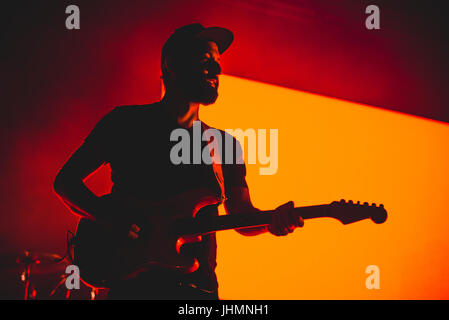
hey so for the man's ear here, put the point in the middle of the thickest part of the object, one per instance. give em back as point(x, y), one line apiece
point(173, 64)
point(176, 64)
point(167, 66)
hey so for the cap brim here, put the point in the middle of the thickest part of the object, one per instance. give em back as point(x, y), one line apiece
point(221, 36)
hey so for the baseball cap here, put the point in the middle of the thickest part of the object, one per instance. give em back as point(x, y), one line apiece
point(183, 37)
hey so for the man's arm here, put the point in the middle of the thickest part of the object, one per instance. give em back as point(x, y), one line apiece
point(69, 185)
point(284, 220)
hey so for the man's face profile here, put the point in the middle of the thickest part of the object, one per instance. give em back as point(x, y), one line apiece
point(198, 78)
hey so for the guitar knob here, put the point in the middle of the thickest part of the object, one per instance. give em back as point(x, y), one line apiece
point(350, 202)
point(381, 206)
point(373, 205)
point(366, 204)
point(342, 201)
point(358, 202)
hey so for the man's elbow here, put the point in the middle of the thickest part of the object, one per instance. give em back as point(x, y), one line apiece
point(59, 184)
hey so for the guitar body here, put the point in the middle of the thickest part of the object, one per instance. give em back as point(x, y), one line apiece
point(103, 256)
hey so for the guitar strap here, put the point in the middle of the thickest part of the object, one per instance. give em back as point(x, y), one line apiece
point(214, 151)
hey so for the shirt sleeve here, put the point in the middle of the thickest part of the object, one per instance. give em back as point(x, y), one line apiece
point(234, 174)
point(100, 139)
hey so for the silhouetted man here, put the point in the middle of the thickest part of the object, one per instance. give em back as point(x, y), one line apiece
point(135, 141)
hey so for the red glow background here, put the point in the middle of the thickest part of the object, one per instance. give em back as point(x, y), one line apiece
point(57, 83)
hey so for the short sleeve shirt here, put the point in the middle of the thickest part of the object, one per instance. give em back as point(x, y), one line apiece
point(135, 142)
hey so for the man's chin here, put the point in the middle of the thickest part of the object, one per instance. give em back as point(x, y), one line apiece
point(206, 99)
point(200, 94)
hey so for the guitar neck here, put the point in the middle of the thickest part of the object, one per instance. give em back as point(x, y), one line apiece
point(255, 219)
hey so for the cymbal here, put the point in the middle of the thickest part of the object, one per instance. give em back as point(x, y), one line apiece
point(41, 262)
point(38, 257)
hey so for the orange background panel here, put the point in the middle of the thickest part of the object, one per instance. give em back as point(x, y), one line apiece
point(331, 149)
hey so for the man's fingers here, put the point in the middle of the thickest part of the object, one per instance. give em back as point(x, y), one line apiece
point(276, 226)
point(287, 223)
point(133, 232)
point(288, 217)
point(132, 235)
point(285, 220)
point(283, 225)
point(300, 222)
point(280, 231)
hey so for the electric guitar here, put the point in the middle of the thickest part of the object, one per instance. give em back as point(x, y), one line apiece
point(103, 256)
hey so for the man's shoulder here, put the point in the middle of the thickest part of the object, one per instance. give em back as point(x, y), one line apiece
point(129, 115)
point(136, 110)
point(224, 134)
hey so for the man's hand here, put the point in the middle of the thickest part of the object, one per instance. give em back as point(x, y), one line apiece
point(285, 220)
point(133, 232)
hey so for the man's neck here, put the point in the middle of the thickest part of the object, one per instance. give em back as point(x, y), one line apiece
point(182, 111)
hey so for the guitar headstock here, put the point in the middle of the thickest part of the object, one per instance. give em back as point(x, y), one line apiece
point(349, 212)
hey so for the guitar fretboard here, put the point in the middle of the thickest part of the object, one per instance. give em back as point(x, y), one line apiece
point(207, 225)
